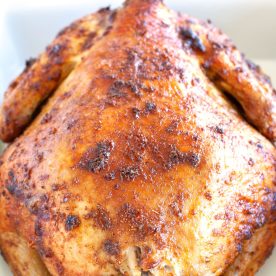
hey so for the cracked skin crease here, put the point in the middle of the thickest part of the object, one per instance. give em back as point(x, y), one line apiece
point(127, 157)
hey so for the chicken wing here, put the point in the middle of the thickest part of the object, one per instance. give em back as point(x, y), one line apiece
point(43, 75)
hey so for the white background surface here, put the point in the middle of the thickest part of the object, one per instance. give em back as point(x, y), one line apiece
point(26, 27)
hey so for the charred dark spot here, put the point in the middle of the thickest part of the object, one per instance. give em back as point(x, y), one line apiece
point(195, 81)
point(52, 131)
point(116, 90)
point(59, 267)
point(46, 118)
point(38, 229)
point(100, 218)
point(89, 41)
point(150, 107)
point(193, 159)
point(261, 220)
point(245, 232)
point(177, 157)
point(55, 50)
point(72, 222)
point(65, 95)
point(206, 65)
point(208, 196)
point(273, 207)
point(149, 89)
point(110, 176)
point(173, 126)
point(26, 172)
point(39, 156)
point(12, 185)
point(66, 197)
point(195, 137)
point(192, 39)
point(57, 187)
point(11, 188)
point(37, 204)
point(111, 247)
point(134, 88)
point(239, 69)
point(133, 58)
point(120, 88)
point(96, 159)
point(136, 112)
point(239, 247)
point(107, 30)
point(198, 45)
point(259, 146)
point(140, 141)
point(44, 215)
point(127, 211)
point(129, 173)
point(255, 214)
point(117, 186)
point(251, 162)
point(217, 46)
point(43, 251)
point(71, 123)
point(165, 66)
point(12, 180)
point(55, 55)
point(29, 62)
point(219, 130)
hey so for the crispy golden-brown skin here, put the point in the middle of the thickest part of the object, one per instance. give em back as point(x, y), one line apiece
point(138, 163)
point(42, 76)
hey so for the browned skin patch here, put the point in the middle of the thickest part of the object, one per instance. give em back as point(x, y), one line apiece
point(232, 72)
point(192, 39)
point(96, 159)
point(100, 217)
point(138, 148)
point(43, 75)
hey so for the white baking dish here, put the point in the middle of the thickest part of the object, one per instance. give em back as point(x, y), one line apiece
point(27, 26)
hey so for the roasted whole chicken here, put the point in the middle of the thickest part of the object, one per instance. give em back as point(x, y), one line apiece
point(141, 143)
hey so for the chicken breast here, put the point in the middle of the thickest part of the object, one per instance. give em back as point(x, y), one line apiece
point(128, 157)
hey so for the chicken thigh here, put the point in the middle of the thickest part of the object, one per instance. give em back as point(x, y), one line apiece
point(141, 143)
